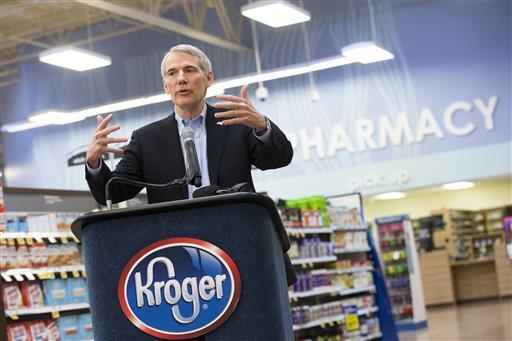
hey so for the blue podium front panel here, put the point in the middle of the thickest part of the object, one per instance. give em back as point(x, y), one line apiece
point(244, 231)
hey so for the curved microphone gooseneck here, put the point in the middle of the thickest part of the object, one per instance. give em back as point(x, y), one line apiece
point(108, 196)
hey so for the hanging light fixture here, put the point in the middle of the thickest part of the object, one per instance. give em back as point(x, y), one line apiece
point(275, 13)
point(74, 58)
point(366, 52)
point(56, 117)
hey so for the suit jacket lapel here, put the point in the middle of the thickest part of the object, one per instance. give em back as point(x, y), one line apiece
point(172, 148)
point(215, 138)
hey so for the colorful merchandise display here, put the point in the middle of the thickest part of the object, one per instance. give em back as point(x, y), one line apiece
point(43, 275)
point(334, 297)
point(400, 263)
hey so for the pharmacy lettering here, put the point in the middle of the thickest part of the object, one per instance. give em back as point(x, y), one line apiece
point(179, 288)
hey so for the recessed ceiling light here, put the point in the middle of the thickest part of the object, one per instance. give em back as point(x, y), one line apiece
point(390, 196)
point(366, 52)
point(56, 117)
point(458, 185)
point(275, 13)
point(73, 58)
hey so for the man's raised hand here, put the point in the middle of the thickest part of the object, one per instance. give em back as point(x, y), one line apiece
point(100, 141)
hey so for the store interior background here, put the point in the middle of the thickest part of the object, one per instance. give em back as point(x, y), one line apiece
point(445, 53)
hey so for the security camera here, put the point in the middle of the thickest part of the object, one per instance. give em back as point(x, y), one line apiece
point(261, 93)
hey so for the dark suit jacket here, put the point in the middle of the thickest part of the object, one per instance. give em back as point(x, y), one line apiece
point(154, 155)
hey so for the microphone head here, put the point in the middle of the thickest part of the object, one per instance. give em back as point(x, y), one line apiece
point(187, 134)
point(205, 191)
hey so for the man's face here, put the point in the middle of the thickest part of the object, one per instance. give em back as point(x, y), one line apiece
point(184, 79)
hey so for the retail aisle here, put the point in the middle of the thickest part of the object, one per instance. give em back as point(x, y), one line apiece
point(484, 321)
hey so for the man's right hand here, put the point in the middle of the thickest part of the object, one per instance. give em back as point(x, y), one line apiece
point(100, 142)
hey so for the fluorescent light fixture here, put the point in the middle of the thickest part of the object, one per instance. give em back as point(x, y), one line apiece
point(366, 52)
point(216, 89)
point(21, 126)
point(390, 196)
point(73, 58)
point(56, 117)
point(275, 13)
point(458, 185)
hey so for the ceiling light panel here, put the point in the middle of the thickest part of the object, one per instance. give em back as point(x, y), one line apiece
point(74, 58)
point(56, 117)
point(366, 52)
point(458, 185)
point(275, 13)
point(390, 196)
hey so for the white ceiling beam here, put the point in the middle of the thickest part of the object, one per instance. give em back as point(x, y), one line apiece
point(167, 24)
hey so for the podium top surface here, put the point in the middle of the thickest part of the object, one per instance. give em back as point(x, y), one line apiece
point(179, 205)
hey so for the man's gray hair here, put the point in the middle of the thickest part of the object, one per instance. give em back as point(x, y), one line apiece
point(204, 62)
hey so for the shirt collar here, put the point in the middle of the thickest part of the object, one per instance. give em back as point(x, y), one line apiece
point(200, 118)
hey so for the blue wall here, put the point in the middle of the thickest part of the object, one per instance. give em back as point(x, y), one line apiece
point(445, 53)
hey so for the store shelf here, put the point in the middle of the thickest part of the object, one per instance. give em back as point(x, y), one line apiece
point(350, 228)
point(306, 261)
point(340, 251)
point(328, 290)
point(45, 310)
point(342, 271)
point(32, 273)
point(333, 319)
point(365, 338)
point(35, 235)
point(308, 230)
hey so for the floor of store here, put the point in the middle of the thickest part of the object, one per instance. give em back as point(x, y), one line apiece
point(483, 320)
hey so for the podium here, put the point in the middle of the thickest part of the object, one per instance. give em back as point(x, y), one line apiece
point(247, 229)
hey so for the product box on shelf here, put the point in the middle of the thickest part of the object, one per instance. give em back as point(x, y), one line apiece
point(17, 332)
point(85, 326)
point(55, 292)
point(11, 295)
point(52, 330)
point(37, 330)
point(76, 290)
point(69, 328)
point(32, 294)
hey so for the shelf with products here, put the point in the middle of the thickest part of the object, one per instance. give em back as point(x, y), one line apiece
point(331, 289)
point(301, 231)
point(338, 235)
point(74, 324)
point(41, 274)
point(470, 235)
point(39, 221)
point(22, 274)
point(313, 260)
point(401, 267)
point(47, 310)
point(332, 319)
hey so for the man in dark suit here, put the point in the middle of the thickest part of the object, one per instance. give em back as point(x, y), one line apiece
point(230, 137)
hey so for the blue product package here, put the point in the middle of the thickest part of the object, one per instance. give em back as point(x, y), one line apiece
point(85, 325)
point(69, 328)
point(12, 224)
point(55, 292)
point(22, 224)
point(76, 290)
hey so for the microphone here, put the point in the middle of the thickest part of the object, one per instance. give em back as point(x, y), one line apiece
point(205, 191)
point(211, 190)
point(190, 153)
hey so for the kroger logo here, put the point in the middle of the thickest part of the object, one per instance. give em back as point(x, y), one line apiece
point(179, 288)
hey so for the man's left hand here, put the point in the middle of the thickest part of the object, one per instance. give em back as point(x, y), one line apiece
point(240, 111)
